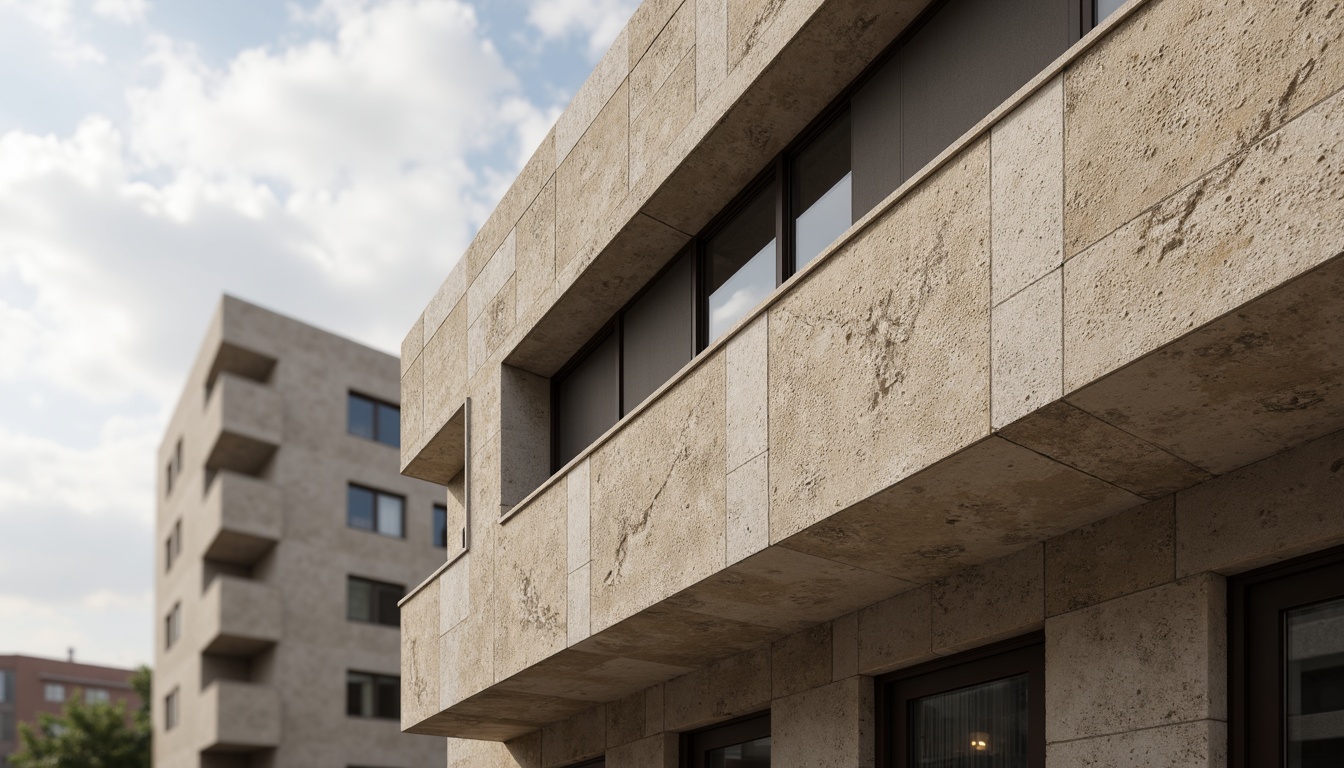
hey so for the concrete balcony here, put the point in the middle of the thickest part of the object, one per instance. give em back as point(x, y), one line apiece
point(239, 717)
point(241, 518)
point(244, 422)
point(239, 617)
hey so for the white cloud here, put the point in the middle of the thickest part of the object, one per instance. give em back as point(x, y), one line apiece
point(54, 19)
point(121, 11)
point(597, 22)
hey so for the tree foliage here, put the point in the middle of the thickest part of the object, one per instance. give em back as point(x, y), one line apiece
point(89, 735)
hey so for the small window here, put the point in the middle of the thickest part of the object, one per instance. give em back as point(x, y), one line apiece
point(440, 526)
point(985, 707)
point(742, 743)
point(587, 399)
point(1286, 644)
point(172, 626)
point(170, 713)
point(6, 686)
point(373, 601)
point(53, 692)
point(173, 546)
point(96, 696)
point(740, 263)
point(173, 470)
point(373, 420)
point(820, 196)
point(6, 727)
point(376, 511)
point(372, 695)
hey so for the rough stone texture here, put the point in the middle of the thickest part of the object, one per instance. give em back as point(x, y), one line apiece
point(825, 727)
point(1266, 215)
point(653, 710)
point(1079, 439)
point(420, 656)
point(1157, 657)
point(801, 661)
point(748, 522)
point(466, 658)
point(896, 632)
point(1201, 744)
point(676, 637)
point(738, 685)
point(412, 344)
point(455, 594)
point(990, 602)
point(1027, 150)
point(492, 279)
point(575, 738)
point(647, 23)
point(413, 402)
point(583, 678)
point(1110, 558)
point(661, 486)
point(1286, 505)
point(711, 46)
point(518, 198)
point(625, 719)
point(983, 503)
point(748, 393)
point(445, 299)
point(658, 751)
point(592, 98)
point(524, 433)
point(845, 646)
point(594, 176)
point(523, 752)
point(577, 489)
point(748, 21)
point(445, 359)
point(1186, 108)
point(491, 329)
point(1028, 350)
point(579, 602)
point(874, 377)
point(666, 114)
point(530, 599)
point(535, 250)
point(667, 53)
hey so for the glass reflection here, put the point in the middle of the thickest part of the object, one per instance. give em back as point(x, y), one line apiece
point(1104, 8)
point(741, 262)
point(821, 192)
point(983, 726)
point(1315, 692)
point(752, 754)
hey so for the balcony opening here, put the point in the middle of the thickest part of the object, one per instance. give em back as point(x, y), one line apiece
point(239, 361)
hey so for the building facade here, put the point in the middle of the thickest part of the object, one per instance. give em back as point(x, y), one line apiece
point(30, 686)
point(285, 538)
point(846, 383)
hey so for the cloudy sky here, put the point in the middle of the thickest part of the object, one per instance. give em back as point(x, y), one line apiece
point(329, 159)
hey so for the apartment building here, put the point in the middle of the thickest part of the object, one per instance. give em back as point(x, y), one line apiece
point(911, 383)
point(31, 685)
point(285, 538)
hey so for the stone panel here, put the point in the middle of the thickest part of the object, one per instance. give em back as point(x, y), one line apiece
point(738, 685)
point(531, 585)
point(653, 710)
point(491, 328)
point(492, 279)
point(826, 727)
point(625, 719)
point(801, 661)
point(1287, 505)
point(518, 198)
point(845, 646)
point(580, 676)
point(535, 250)
point(666, 115)
point(1028, 350)
point(1123, 554)
point(579, 601)
point(445, 361)
point(658, 751)
point(420, 656)
point(748, 523)
point(1267, 215)
point(413, 403)
point(466, 659)
point(748, 393)
point(1201, 744)
point(646, 23)
point(896, 632)
point(412, 344)
point(658, 496)
point(711, 46)
point(879, 361)
point(748, 21)
point(523, 752)
point(677, 637)
point(667, 53)
point(445, 299)
point(1149, 659)
point(577, 490)
point(593, 178)
point(575, 738)
point(1028, 192)
point(1186, 108)
point(592, 98)
point(989, 602)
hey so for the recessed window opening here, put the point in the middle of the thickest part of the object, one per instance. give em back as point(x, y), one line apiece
point(440, 526)
point(820, 198)
point(369, 694)
point(742, 743)
point(172, 626)
point(740, 262)
point(170, 710)
point(373, 601)
point(373, 419)
point(53, 692)
point(376, 511)
point(172, 547)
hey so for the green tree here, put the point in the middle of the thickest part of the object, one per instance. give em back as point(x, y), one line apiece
point(89, 735)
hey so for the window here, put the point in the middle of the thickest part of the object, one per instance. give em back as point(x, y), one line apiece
point(983, 708)
point(96, 696)
point(174, 468)
point(1103, 8)
point(170, 713)
point(377, 511)
point(1286, 645)
point(172, 626)
point(373, 601)
point(53, 692)
point(373, 420)
point(372, 695)
point(6, 726)
point(819, 195)
point(741, 743)
point(6, 686)
point(440, 526)
point(173, 546)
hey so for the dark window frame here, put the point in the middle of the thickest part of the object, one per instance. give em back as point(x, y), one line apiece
point(375, 679)
point(172, 626)
point(998, 661)
point(439, 510)
point(377, 405)
point(376, 493)
point(375, 586)
point(1255, 733)
point(171, 709)
point(740, 730)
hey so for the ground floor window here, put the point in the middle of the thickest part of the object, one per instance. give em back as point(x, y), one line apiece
point(743, 743)
point(1286, 647)
point(983, 709)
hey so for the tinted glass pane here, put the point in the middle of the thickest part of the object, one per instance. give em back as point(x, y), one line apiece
point(1314, 725)
point(6, 726)
point(360, 416)
point(1104, 8)
point(821, 192)
point(359, 695)
point(983, 726)
point(359, 508)
point(6, 686)
point(588, 400)
point(741, 263)
point(658, 332)
point(359, 597)
point(389, 698)
point(390, 510)
point(440, 526)
point(389, 425)
point(386, 597)
point(753, 754)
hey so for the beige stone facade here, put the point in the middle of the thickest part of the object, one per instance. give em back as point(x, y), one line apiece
point(256, 523)
point(1069, 378)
